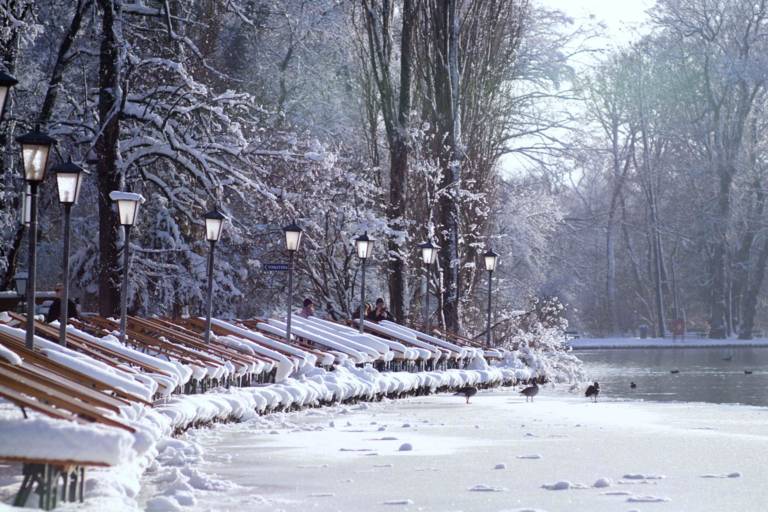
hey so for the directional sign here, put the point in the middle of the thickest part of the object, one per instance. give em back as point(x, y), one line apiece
point(276, 267)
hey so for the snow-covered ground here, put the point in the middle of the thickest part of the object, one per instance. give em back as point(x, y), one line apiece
point(690, 342)
point(559, 453)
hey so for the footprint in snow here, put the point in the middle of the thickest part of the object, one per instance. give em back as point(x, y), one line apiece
point(617, 493)
point(405, 447)
point(641, 476)
point(647, 499)
point(486, 488)
point(383, 465)
point(398, 502)
point(322, 495)
point(500, 466)
point(735, 474)
point(355, 449)
point(563, 485)
point(531, 456)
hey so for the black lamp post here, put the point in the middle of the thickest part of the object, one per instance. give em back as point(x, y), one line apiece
point(35, 149)
point(363, 247)
point(214, 226)
point(293, 234)
point(428, 256)
point(491, 259)
point(6, 82)
point(68, 180)
point(127, 209)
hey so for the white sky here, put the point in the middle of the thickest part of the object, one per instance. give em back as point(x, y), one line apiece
point(622, 18)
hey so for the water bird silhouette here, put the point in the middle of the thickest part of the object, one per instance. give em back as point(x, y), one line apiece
point(531, 391)
point(592, 391)
point(467, 391)
point(632, 385)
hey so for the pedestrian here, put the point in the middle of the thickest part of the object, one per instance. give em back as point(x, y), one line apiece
point(333, 315)
point(54, 312)
point(380, 312)
point(309, 308)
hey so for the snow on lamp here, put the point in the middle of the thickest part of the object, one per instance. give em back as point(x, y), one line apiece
point(127, 206)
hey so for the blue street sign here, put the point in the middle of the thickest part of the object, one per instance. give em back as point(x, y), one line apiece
point(276, 267)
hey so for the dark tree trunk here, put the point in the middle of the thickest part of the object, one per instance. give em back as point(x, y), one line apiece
point(749, 304)
point(395, 112)
point(107, 173)
point(61, 63)
point(718, 291)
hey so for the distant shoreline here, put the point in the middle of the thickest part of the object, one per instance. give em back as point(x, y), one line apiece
point(604, 343)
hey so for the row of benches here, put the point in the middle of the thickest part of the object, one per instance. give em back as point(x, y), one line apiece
point(96, 377)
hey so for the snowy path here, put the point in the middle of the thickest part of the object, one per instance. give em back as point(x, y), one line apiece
point(609, 456)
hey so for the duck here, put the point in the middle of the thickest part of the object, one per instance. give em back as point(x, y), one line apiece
point(747, 372)
point(592, 391)
point(467, 391)
point(531, 391)
point(632, 385)
point(674, 371)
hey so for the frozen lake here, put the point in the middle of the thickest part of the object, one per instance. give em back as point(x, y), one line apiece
point(651, 455)
point(715, 375)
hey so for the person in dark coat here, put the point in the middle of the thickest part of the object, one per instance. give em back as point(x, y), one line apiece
point(380, 312)
point(332, 313)
point(309, 308)
point(54, 312)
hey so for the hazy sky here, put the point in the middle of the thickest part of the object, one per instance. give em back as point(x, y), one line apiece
point(623, 18)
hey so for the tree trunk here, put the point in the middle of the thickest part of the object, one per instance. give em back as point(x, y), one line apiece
point(107, 150)
point(449, 203)
point(718, 290)
point(399, 170)
point(749, 308)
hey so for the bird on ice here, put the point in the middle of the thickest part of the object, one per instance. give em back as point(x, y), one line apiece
point(632, 385)
point(531, 391)
point(592, 391)
point(467, 391)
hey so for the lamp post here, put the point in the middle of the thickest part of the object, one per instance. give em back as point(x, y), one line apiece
point(363, 247)
point(293, 235)
point(214, 226)
point(68, 180)
point(35, 149)
point(127, 210)
point(6, 82)
point(491, 259)
point(428, 256)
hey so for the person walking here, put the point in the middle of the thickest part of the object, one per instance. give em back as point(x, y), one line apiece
point(308, 310)
point(380, 312)
point(54, 312)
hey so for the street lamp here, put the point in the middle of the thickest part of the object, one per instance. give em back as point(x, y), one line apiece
point(35, 149)
point(127, 210)
point(363, 247)
point(6, 82)
point(68, 180)
point(214, 226)
point(428, 256)
point(491, 259)
point(293, 234)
